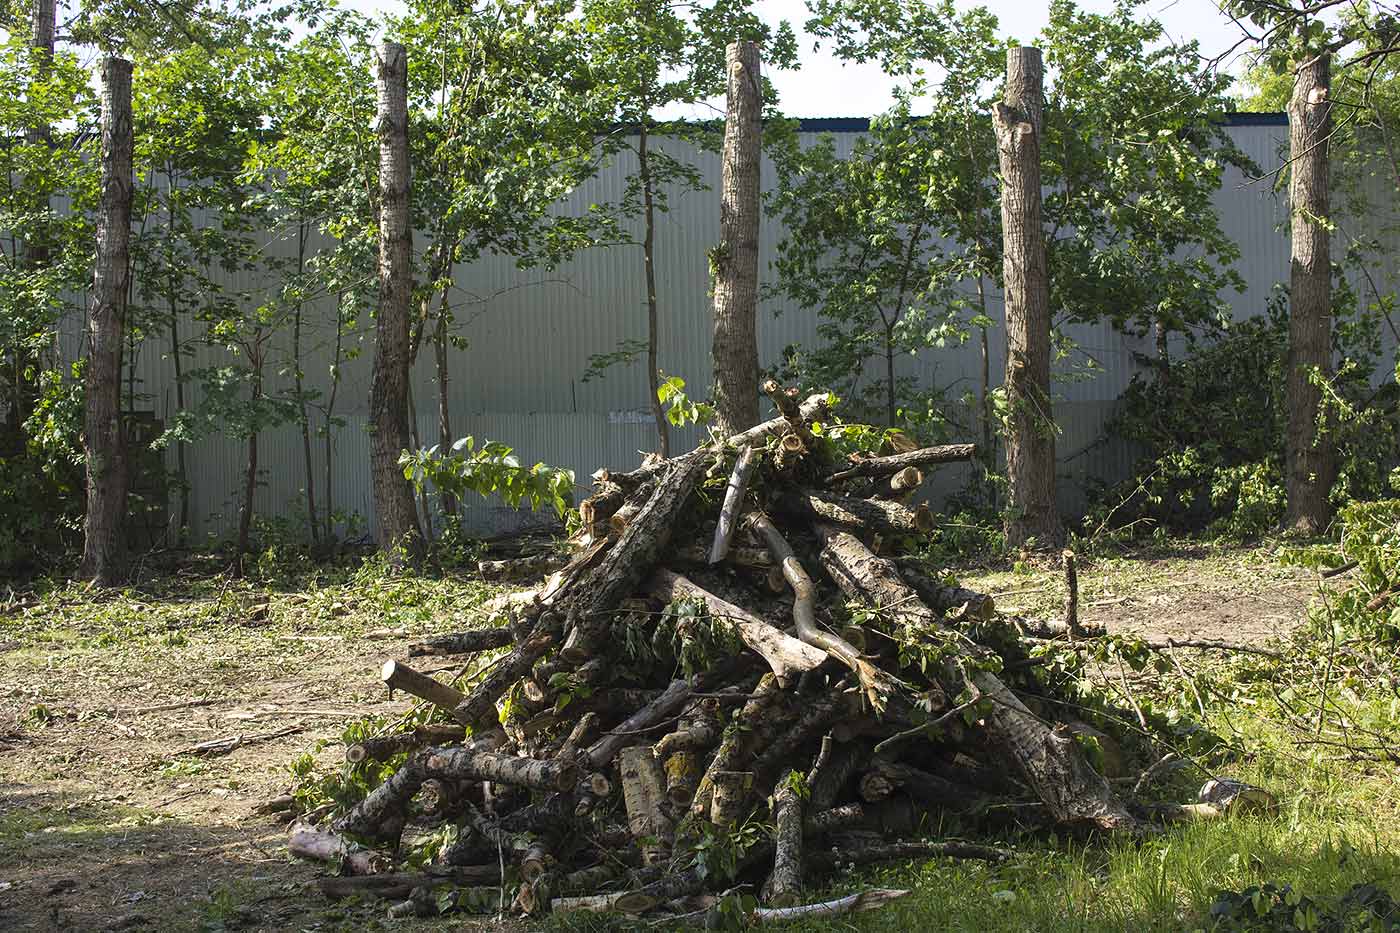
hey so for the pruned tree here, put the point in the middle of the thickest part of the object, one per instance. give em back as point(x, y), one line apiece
point(734, 261)
point(396, 515)
point(1132, 153)
point(652, 55)
point(104, 441)
point(1311, 455)
point(1030, 441)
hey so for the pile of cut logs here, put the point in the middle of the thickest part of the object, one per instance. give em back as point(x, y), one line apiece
point(734, 681)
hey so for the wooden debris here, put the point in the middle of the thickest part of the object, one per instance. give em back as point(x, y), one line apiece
point(788, 676)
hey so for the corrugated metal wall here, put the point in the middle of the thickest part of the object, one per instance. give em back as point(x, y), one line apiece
point(530, 335)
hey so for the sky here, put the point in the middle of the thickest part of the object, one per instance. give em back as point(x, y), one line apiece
point(826, 87)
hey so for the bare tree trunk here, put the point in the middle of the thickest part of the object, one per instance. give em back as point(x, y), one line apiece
point(663, 433)
point(984, 395)
point(447, 501)
point(735, 260)
point(1311, 456)
point(1030, 444)
point(330, 414)
point(250, 474)
point(395, 512)
point(890, 400)
point(172, 298)
point(104, 442)
point(300, 379)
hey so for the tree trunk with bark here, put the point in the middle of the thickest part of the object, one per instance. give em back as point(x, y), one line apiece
point(250, 473)
point(299, 379)
point(663, 431)
point(1030, 442)
point(104, 441)
point(735, 259)
point(396, 513)
point(1311, 460)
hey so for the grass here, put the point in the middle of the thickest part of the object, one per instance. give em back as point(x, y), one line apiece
point(80, 795)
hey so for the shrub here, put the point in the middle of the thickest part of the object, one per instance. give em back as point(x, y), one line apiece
point(1213, 429)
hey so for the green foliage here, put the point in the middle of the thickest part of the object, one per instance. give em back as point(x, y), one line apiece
point(1365, 614)
point(718, 851)
point(682, 411)
point(492, 470)
point(1274, 908)
point(699, 640)
point(1212, 427)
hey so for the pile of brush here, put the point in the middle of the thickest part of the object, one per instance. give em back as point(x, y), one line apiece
point(731, 682)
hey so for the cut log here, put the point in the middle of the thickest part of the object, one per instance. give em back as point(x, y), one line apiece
point(1049, 759)
point(398, 885)
point(643, 794)
point(877, 515)
point(622, 568)
point(384, 747)
point(399, 676)
point(479, 640)
point(623, 517)
point(924, 456)
point(757, 708)
point(730, 796)
point(942, 598)
point(521, 569)
point(310, 843)
point(682, 775)
point(733, 504)
point(478, 708)
point(884, 777)
point(437, 797)
point(739, 556)
point(815, 408)
point(786, 656)
point(633, 730)
point(898, 487)
point(785, 400)
point(466, 763)
point(784, 885)
point(627, 902)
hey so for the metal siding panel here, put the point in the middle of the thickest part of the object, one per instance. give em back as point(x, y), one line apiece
point(530, 334)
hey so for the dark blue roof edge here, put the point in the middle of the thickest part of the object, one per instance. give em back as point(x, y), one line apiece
point(861, 124)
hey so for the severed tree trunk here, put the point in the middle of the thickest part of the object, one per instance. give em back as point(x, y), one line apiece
point(1030, 442)
point(1311, 466)
point(735, 260)
point(895, 463)
point(784, 885)
point(1049, 759)
point(872, 514)
point(616, 576)
point(104, 442)
point(395, 511)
